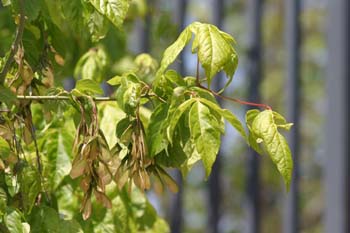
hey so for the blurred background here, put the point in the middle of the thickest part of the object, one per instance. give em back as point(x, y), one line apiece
point(294, 56)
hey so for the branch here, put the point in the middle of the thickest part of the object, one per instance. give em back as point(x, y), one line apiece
point(15, 44)
point(54, 97)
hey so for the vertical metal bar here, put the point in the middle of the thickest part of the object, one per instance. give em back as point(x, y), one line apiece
point(144, 29)
point(214, 182)
point(180, 18)
point(176, 208)
point(292, 35)
point(337, 128)
point(254, 72)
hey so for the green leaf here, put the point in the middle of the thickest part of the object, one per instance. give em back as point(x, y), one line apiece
point(253, 140)
point(128, 94)
point(145, 64)
point(7, 96)
point(4, 148)
point(32, 9)
point(110, 115)
point(69, 226)
point(13, 221)
point(281, 121)
point(88, 86)
point(114, 10)
point(156, 130)
point(30, 187)
point(174, 50)
point(3, 202)
point(215, 50)
point(265, 128)
point(173, 157)
point(98, 26)
point(176, 116)
point(6, 2)
point(174, 77)
point(59, 153)
point(46, 220)
point(92, 65)
point(232, 119)
point(115, 81)
point(204, 131)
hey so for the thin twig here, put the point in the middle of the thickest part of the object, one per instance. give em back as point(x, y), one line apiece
point(15, 44)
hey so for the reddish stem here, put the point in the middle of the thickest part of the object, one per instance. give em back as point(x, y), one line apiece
point(237, 100)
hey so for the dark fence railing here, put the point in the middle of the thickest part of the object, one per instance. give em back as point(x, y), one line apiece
point(337, 167)
point(176, 208)
point(215, 180)
point(254, 69)
point(293, 43)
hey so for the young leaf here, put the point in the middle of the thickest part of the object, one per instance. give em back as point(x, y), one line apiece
point(114, 10)
point(206, 136)
point(215, 51)
point(265, 128)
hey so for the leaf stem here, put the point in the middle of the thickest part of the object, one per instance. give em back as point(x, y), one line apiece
point(15, 44)
point(197, 73)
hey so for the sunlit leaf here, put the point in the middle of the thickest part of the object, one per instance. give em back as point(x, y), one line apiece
point(214, 49)
point(206, 137)
point(13, 221)
point(265, 127)
point(114, 10)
